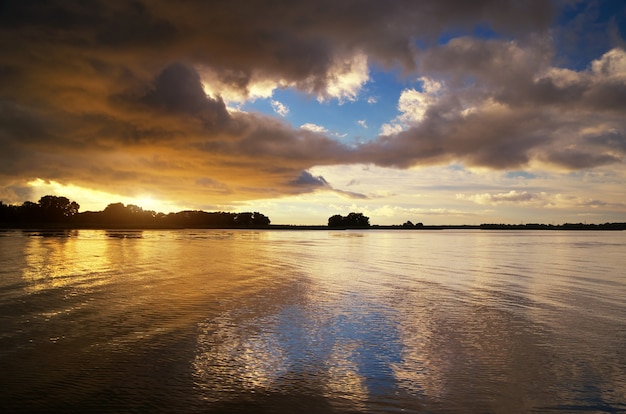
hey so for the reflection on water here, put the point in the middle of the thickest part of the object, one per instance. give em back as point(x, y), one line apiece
point(343, 321)
point(125, 234)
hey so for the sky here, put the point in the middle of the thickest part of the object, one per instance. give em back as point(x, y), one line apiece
point(439, 112)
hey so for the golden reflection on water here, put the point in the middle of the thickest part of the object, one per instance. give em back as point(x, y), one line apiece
point(367, 321)
point(58, 260)
point(62, 259)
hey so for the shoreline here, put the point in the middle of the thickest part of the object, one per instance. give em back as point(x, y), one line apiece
point(530, 227)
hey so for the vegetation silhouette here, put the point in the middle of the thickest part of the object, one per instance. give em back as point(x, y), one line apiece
point(54, 211)
point(57, 212)
point(409, 224)
point(49, 209)
point(352, 220)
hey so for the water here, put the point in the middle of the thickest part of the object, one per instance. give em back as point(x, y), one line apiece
point(312, 321)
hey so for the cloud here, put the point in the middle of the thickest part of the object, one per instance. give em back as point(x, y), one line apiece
point(351, 194)
point(413, 105)
point(279, 108)
point(307, 179)
point(512, 197)
point(345, 79)
point(402, 213)
point(164, 137)
point(504, 106)
point(393, 128)
point(131, 97)
point(15, 194)
point(322, 48)
point(541, 200)
point(362, 123)
point(178, 89)
point(314, 128)
point(319, 129)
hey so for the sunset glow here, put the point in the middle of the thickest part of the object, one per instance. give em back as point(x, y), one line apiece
point(434, 112)
point(93, 200)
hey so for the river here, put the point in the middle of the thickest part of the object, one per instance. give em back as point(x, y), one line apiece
point(376, 321)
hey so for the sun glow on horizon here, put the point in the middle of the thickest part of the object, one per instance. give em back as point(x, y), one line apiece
point(148, 203)
point(96, 200)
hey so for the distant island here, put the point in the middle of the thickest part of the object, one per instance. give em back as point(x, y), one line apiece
point(61, 213)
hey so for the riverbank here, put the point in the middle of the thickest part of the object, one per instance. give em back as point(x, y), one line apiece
point(143, 226)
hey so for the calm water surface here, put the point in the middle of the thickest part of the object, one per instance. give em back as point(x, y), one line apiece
point(312, 321)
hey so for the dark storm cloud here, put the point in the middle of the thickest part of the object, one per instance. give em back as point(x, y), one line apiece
point(479, 140)
point(613, 140)
point(573, 159)
point(109, 95)
point(295, 41)
point(503, 105)
point(178, 88)
point(307, 179)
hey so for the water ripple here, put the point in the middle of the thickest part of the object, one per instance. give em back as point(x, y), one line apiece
point(255, 321)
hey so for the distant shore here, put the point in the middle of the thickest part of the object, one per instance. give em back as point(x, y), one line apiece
point(60, 213)
point(143, 226)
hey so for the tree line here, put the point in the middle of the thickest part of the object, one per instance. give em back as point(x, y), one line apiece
point(60, 211)
point(55, 211)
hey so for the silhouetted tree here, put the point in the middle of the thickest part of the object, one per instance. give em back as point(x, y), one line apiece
point(130, 215)
point(259, 219)
point(357, 220)
point(53, 208)
point(251, 219)
point(243, 219)
point(335, 221)
point(115, 212)
point(29, 211)
point(8, 213)
point(351, 220)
